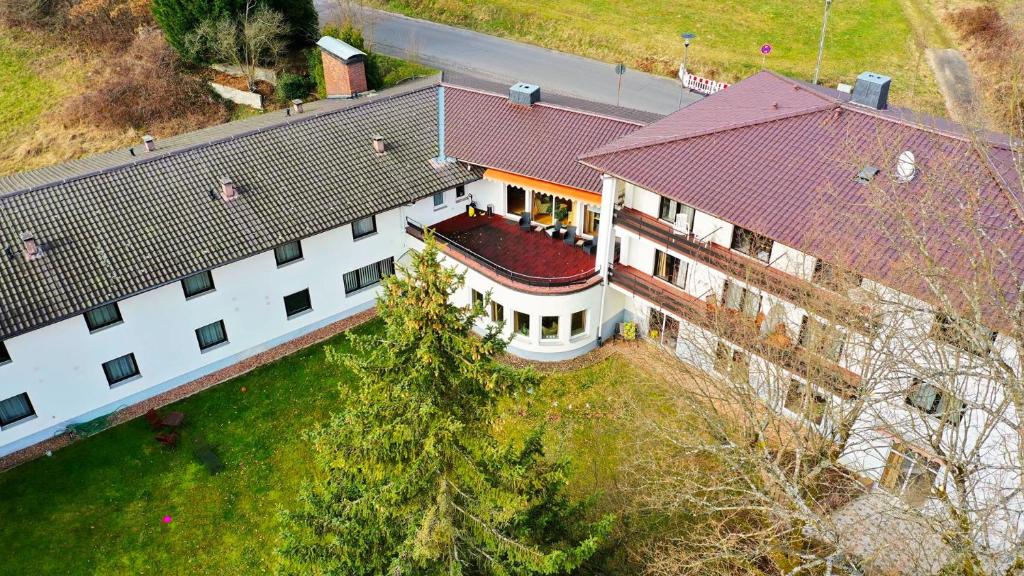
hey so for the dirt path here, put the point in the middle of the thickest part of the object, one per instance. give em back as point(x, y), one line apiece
point(955, 82)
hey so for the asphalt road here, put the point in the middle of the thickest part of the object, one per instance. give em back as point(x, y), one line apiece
point(458, 50)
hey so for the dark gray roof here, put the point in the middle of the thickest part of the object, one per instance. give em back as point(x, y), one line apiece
point(112, 229)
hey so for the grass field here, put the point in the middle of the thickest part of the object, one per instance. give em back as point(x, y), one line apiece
point(886, 36)
point(96, 507)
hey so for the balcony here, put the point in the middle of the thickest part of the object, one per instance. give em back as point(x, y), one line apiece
point(824, 303)
point(527, 260)
point(738, 329)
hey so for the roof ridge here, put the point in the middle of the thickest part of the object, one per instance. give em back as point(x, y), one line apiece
point(400, 91)
point(926, 127)
point(725, 128)
point(545, 104)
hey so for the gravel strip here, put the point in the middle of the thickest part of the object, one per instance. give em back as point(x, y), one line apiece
point(200, 384)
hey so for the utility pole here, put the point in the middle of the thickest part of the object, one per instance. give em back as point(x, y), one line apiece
point(821, 41)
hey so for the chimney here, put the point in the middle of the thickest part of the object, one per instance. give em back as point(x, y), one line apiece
point(378, 144)
point(32, 248)
point(227, 189)
point(344, 68)
point(149, 143)
point(524, 94)
point(297, 106)
point(872, 91)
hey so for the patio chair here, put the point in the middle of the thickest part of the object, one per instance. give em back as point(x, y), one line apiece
point(524, 221)
point(589, 247)
point(570, 236)
point(169, 440)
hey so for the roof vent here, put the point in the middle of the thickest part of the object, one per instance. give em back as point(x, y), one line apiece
point(149, 143)
point(378, 144)
point(524, 94)
point(33, 249)
point(906, 166)
point(867, 174)
point(297, 106)
point(228, 191)
point(872, 90)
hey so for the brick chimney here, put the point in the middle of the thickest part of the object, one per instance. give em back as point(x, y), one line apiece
point(344, 68)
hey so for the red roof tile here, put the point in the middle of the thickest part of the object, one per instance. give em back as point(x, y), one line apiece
point(540, 141)
point(789, 173)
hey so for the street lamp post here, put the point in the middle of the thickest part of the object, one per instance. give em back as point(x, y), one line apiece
point(687, 39)
point(821, 41)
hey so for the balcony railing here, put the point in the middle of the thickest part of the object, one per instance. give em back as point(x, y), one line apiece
point(739, 329)
point(453, 247)
point(822, 302)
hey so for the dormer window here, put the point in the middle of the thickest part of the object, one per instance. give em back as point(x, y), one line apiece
point(965, 334)
point(752, 244)
point(834, 277)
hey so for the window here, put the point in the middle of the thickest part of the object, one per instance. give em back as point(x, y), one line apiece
point(834, 278)
point(578, 323)
point(476, 298)
point(733, 364)
point(497, 312)
point(103, 316)
point(821, 339)
point(460, 192)
point(286, 253)
point(369, 275)
point(670, 211)
point(364, 227)
point(5, 356)
point(522, 323)
point(549, 327)
point(211, 335)
point(736, 297)
point(802, 399)
point(669, 268)
point(591, 219)
point(439, 199)
point(197, 284)
point(964, 334)
point(909, 474)
point(121, 369)
point(752, 244)
point(15, 409)
point(935, 401)
point(515, 200)
point(297, 303)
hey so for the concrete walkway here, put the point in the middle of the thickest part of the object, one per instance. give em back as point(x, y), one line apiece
point(458, 50)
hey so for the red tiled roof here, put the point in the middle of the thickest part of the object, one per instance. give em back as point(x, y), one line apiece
point(782, 162)
point(540, 141)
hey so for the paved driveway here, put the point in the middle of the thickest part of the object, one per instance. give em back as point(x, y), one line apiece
point(458, 50)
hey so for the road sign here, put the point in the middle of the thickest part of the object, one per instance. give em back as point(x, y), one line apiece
point(766, 49)
point(620, 69)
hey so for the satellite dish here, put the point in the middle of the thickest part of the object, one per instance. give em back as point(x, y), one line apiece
point(906, 168)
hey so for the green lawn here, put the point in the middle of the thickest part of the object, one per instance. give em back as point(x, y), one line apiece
point(886, 36)
point(96, 507)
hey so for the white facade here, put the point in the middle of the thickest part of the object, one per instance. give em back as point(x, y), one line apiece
point(889, 423)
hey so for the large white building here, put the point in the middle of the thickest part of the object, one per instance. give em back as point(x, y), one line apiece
point(131, 273)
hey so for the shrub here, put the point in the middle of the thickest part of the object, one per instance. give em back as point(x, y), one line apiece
point(315, 67)
point(145, 89)
point(629, 331)
point(108, 21)
point(33, 13)
point(292, 86)
point(179, 18)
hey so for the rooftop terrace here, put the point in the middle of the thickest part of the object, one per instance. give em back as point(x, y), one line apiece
point(525, 259)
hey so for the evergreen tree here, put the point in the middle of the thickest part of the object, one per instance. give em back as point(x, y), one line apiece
point(178, 18)
point(412, 480)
